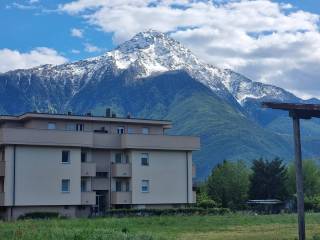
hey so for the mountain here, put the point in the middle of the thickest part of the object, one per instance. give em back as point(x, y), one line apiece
point(154, 76)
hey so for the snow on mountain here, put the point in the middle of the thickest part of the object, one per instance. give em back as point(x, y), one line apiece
point(150, 53)
point(244, 89)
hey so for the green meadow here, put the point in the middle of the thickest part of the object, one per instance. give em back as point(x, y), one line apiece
point(231, 226)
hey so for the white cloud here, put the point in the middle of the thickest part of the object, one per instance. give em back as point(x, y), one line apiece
point(13, 59)
point(75, 51)
point(33, 1)
point(76, 32)
point(91, 48)
point(267, 41)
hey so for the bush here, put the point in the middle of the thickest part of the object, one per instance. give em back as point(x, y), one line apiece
point(166, 212)
point(39, 215)
point(312, 203)
point(208, 203)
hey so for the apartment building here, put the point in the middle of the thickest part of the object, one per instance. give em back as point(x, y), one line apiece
point(83, 165)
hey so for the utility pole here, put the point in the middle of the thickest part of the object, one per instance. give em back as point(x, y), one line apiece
point(299, 176)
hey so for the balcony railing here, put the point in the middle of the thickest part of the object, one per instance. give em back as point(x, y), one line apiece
point(100, 184)
point(44, 137)
point(121, 170)
point(88, 169)
point(121, 198)
point(2, 168)
point(88, 198)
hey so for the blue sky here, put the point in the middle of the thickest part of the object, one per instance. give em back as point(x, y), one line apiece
point(275, 42)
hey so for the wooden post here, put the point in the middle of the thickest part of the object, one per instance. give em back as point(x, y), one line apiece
point(299, 177)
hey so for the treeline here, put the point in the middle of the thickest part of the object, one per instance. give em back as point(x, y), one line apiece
point(232, 183)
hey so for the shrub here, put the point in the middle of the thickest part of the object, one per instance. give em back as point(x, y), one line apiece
point(39, 215)
point(208, 203)
point(312, 203)
point(166, 212)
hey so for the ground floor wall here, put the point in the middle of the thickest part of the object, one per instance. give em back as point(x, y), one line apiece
point(13, 213)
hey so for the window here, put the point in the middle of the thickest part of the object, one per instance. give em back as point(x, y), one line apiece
point(83, 185)
point(65, 156)
point(118, 186)
point(102, 174)
point(118, 157)
point(120, 130)
point(70, 127)
point(79, 127)
point(144, 159)
point(145, 130)
point(127, 187)
point(145, 186)
point(83, 156)
point(65, 185)
point(126, 158)
point(130, 130)
point(51, 126)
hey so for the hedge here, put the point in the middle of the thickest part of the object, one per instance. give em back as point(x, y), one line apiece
point(39, 215)
point(166, 212)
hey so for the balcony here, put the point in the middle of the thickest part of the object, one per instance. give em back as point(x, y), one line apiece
point(2, 168)
point(100, 184)
point(88, 198)
point(1, 198)
point(161, 142)
point(121, 170)
point(88, 169)
point(44, 137)
point(121, 198)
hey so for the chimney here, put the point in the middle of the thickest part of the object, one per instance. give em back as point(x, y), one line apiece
point(108, 112)
point(88, 114)
point(69, 113)
point(129, 115)
point(114, 115)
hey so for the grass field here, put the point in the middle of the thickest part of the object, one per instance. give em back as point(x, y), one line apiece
point(233, 226)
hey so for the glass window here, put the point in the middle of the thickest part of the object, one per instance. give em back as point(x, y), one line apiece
point(120, 130)
point(51, 126)
point(126, 158)
point(145, 130)
point(83, 156)
point(127, 187)
point(118, 157)
point(70, 127)
point(145, 186)
point(118, 186)
point(83, 185)
point(65, 185)
point(144, 159)
point(65, 156)
point(79, 127)
point(102, 174)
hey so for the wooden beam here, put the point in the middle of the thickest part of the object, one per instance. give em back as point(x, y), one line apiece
point(299, 177)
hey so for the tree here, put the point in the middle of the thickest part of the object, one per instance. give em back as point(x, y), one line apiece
point(268, 180)
point(228, 184)
point(311, 178)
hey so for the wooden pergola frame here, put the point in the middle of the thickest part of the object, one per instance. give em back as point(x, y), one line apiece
point(297, 112)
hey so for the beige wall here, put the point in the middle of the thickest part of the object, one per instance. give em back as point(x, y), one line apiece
point(90, 126)
point(102, 159)
point(167, 174)
point(38, 176)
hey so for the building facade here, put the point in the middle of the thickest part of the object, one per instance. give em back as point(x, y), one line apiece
point(83, 165)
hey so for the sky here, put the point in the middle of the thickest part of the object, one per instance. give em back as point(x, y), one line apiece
point(275, 42)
